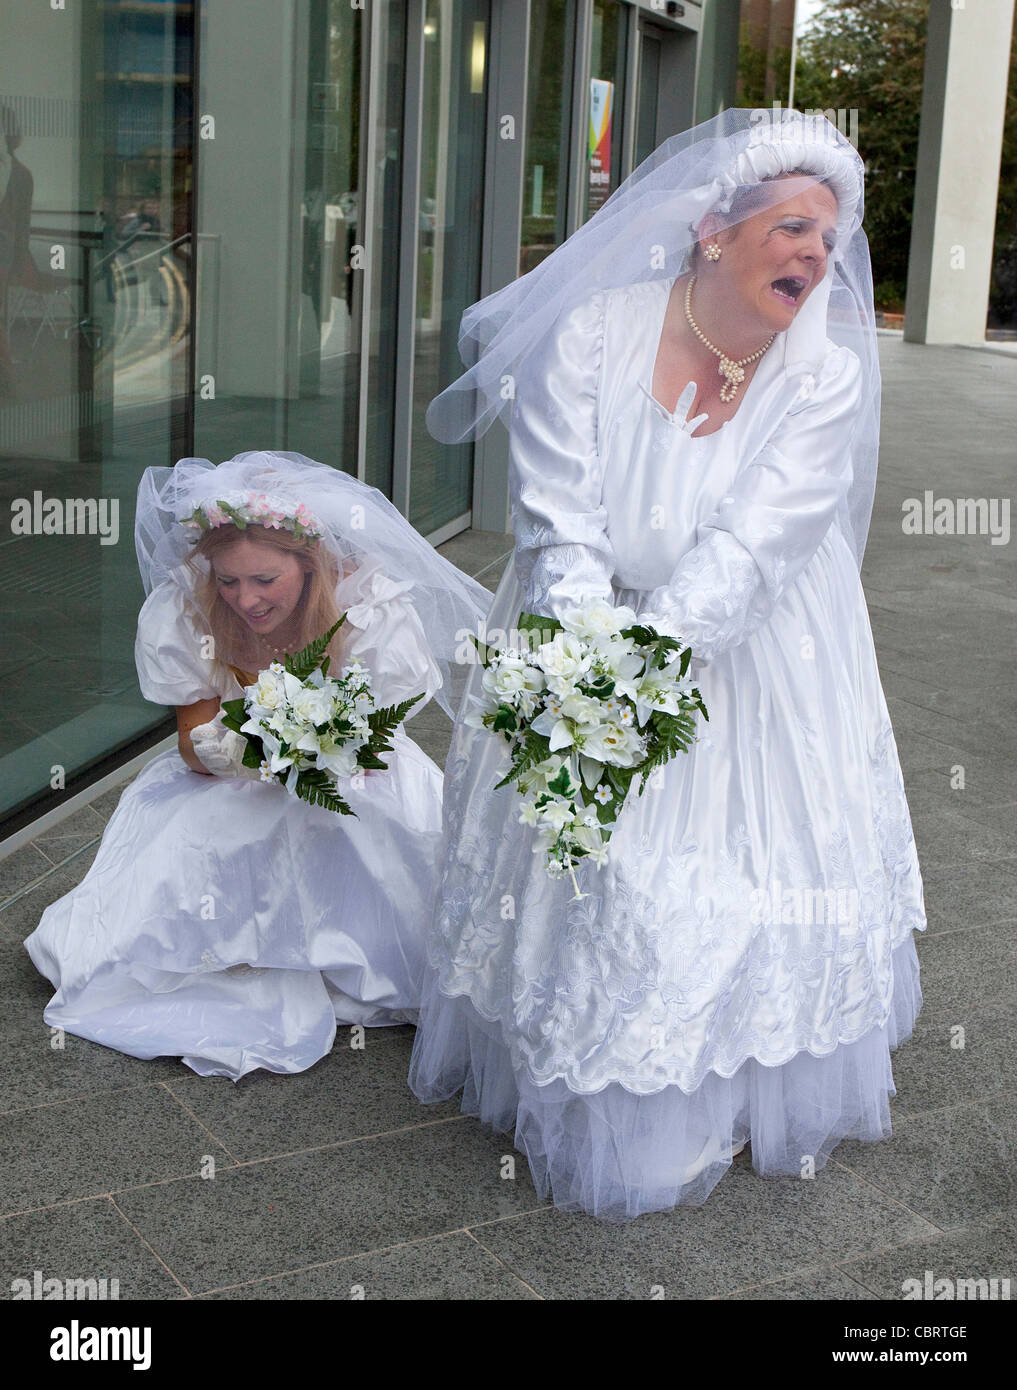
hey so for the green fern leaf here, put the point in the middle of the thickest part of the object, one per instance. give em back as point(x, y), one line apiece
point(310, 657)
point(383, 721)
point(319, 796)
point(534, 750)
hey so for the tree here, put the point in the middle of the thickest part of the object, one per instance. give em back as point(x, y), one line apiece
point(869, 56)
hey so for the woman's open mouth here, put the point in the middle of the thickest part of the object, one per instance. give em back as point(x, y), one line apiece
point(789, 288)
point(259, 617)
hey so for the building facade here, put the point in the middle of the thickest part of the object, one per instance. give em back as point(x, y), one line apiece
point(255, 224)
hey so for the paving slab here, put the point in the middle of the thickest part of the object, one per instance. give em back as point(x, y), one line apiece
point(446, 1268)
point(82, 1241)
point(280, 1216)
point(90, 1146)
point(350, 1094)
point(751, 1230)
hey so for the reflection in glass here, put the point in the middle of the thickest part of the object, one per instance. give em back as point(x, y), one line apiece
point(548, 121)
point(607, 97)
point(649, 91)
point(383, 258)
point(765, 42)
point(95, 294)
point(278, 351)
point(449, 236)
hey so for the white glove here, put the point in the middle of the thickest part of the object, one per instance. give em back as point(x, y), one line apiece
point(667, 628)
point(221, 750)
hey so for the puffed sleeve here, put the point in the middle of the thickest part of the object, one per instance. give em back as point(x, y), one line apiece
point(384, 632)
point(562, 552)
point(168, 650)
point(771, 522)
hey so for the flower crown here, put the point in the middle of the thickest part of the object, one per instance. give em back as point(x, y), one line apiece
point(252, 509)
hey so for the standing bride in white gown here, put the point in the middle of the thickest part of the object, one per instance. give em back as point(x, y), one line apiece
point(694, 434)
point(225, 921)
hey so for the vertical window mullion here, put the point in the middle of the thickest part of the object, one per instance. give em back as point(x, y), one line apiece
point(408, 238)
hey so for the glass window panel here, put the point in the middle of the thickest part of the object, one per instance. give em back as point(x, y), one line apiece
point(449, 239)
point(607, 101)
point(649, 92)
point(548, 125)
point(95, 312)
point(383, 260)
point(765, 40)
point(278, 349)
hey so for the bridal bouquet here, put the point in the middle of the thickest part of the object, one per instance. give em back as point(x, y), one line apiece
point(306, 729)
point(586, 705)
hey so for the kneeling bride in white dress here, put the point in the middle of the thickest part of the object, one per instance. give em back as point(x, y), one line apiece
point(224, 920)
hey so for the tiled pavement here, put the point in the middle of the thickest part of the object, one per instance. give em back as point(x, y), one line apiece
point(337, 1179)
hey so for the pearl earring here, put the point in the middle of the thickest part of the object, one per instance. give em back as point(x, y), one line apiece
point(712, 251)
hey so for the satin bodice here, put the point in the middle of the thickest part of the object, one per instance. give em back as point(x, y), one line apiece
point(661, 479)
point(613, 497)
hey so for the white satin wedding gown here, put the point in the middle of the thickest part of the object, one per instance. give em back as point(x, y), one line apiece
point(745, 962)
point(230, 924)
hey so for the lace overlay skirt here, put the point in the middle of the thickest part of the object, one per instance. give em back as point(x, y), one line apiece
point(741, 967)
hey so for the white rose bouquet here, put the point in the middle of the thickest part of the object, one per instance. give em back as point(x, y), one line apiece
point(306, 729)
point(586, 705)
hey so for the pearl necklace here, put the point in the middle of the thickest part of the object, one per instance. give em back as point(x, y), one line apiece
point(733, 372)
point(277, 652)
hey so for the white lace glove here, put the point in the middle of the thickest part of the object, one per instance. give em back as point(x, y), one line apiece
point(663, 624)
point(221, 750)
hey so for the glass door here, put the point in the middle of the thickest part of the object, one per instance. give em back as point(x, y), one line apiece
point(549, 112)
point(648, 95)
point(608, 58)
point(449, 238)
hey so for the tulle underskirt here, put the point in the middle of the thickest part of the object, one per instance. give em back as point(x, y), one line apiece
point(617, 1155)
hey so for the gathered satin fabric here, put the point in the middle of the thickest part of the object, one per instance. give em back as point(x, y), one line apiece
point(760, 897)
point(229, 923)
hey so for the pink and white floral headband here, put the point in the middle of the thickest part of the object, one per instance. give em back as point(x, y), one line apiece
point(243, 509)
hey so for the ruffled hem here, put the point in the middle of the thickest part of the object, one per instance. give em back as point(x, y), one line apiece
point(616, 1155)
point(219, 1023)
point(314, 919)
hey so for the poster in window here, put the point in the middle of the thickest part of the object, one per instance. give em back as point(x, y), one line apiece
point(601, 111)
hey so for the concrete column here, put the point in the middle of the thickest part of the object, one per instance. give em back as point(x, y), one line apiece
point(967, 62)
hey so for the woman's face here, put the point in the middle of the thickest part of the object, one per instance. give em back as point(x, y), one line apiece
point(773, 260)
point(260, 583)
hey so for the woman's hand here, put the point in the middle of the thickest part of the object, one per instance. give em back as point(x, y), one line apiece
point(206, 740)
point(220, 750)
point(206, 746)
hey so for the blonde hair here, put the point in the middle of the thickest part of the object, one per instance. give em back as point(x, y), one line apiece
point(316, 608)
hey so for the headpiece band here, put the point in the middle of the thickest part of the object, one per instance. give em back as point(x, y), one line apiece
point(252, 509)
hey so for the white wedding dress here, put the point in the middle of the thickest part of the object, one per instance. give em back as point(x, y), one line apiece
point(229, 923)
point(745, 961)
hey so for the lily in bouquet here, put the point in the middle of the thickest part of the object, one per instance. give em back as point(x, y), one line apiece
point(586, 705)
point(307, 729)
